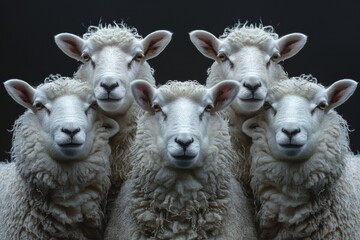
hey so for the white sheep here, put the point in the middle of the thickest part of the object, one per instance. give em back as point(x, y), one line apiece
point(55, 187)
point(304, 176)
point(113, 56)
point(182, 185)
point(249, 54)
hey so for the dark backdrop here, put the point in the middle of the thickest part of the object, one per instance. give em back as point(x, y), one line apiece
point(28, 51)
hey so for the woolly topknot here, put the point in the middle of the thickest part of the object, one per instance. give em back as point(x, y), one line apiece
point(307, 77)
point(56, 85)
point(183, 89)
point(303, 85)
point(111, 34)
point(249, 34)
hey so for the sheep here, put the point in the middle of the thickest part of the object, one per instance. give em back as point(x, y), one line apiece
point(182, 185)
point(249, 54)
point(113, 56)
point(56, 183)
point(303, 174)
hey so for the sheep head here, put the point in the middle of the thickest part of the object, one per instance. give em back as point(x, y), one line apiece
point(112, 57)
point(65, 118)
point(249, 55)
point(182, 117)
point(295, 115)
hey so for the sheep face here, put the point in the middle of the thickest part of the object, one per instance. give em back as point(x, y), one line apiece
point(112, 61)
point(65, 121)
point(249, 56)
point(183, 122)
point(294, 117)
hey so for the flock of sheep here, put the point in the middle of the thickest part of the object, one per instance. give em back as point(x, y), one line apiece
point(110, 154)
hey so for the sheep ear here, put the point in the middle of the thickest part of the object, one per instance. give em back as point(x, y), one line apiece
point(71, 45)
point(339, 92)
point(290, 45)
point(155, 43)
point(223, 94)
point(249, 126)
point(21, 92)
point(111, 125)
point(206, 43)
point(143, 94)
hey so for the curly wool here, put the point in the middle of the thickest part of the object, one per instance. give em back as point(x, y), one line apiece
point(314, 199)
point(304, 85)
point(111, 34)
point(254, 34)
point(46, 199)
point(56, 85)
point(122, 142)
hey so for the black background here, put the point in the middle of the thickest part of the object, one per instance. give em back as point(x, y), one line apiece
point(28, 51)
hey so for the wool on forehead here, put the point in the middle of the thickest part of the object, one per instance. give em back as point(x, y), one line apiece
point(111, 34)
point(56, 85)
point(249, 34)
point(304, 85)
point(189, 88)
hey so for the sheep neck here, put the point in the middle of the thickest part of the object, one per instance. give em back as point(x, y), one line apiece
point(178, 200)
point(121, 143)
point(241, 143)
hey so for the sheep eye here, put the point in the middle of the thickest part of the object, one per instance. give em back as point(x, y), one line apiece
point(222, 56)
point(85, 56)
point(322, 106)
point(275, 57)
point(39, 106)
point(138, 57)
point(208, 108)
point(156, 107)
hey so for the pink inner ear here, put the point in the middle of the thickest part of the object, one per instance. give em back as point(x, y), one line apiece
point(72, 47)
point(225, 90)
point(206, 45)
point(287, 47)
point(144, 95)
point(338, 94)
point(152, 46)
point(22, 93)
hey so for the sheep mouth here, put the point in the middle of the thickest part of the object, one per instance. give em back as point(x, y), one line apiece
point(291, 146)
point(183, 157)
point(183, 161)
point(70, 145)
point(252, 100)
point(110, 99)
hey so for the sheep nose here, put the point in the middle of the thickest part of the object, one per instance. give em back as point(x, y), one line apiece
point(109, 86)
point(290, 132)
point(184, 140)
point(252, 84)
point(70, 132)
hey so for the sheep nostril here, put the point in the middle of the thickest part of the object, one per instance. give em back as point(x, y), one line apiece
point(291, 132)
point(109, 87)
point(184, 143)
point(70, 132)
point(252, 87)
